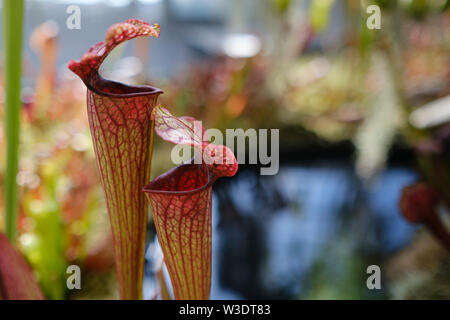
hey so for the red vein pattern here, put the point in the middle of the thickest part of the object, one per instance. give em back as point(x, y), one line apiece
point(122, 143)
point(17, 281)
point(181, 205)
point(181, 201)
point(188, 131)
point(120, 118)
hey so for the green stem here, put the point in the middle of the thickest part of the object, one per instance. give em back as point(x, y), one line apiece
point(12, 47)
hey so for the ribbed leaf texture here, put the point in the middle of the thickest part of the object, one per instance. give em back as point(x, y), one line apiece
point(122, 131)
point(181, 206)
point(17, 281)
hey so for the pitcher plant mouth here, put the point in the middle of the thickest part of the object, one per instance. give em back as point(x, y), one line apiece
point(166, 184)
point(88, 67)
point(115, 89)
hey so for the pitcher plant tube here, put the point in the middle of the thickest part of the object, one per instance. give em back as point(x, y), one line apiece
point(181, 201)
point(122, 131)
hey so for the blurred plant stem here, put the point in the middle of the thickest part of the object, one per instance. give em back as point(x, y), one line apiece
point(12, 44)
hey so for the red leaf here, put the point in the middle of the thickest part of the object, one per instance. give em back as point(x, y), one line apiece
point(17, 281)
point(122, 132)
point(417, 203)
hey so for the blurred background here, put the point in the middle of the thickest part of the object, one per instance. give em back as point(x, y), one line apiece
point(362, 114)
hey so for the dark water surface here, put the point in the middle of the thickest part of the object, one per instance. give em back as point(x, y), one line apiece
point(307, 232)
